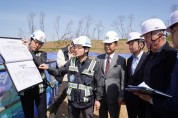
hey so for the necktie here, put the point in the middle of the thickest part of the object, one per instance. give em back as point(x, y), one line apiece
point(107, 64)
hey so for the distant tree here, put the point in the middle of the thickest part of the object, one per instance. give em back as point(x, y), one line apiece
point(21, 33)
point(173, 7)
point(131, 18)
point(56, 27)
point(68, 31)
point(30, 19)
point(79, 28)
point(99, 29)
point(42, 17)
point(89, 21)
point(118, 24)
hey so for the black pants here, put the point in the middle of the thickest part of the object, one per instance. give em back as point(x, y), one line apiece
point(75, 112)
point(134, 106)
point(112, 108)
point(27, 100)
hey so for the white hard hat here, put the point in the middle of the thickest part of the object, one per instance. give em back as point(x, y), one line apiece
point(152, 25)
point(84, 41)
point(133, 36)
point(75, 41)
point(174, 19)
point(39, 36)
point(111, 37)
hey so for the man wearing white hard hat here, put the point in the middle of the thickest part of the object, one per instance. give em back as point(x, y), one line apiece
point(112, 77)
point(134, 65)
point(63, 55)
point(158, 66)
point(173, 28)
point(82, 73)
point(169, 106)
point(37, 93)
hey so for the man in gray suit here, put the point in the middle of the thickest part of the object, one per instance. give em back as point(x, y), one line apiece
point(111, 78)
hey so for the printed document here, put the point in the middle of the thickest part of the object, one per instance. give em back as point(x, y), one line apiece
point(19, 64)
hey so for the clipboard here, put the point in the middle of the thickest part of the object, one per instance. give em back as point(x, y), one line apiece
point(146, 90)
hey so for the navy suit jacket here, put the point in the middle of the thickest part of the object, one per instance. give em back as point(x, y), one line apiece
point(134, 79)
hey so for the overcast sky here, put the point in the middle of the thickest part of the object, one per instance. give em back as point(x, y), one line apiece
point(13, 13)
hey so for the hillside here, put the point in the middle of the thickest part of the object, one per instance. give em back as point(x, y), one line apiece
point(97, 46)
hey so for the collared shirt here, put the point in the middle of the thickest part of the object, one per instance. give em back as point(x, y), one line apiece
point(135, 61)
point(111, 56)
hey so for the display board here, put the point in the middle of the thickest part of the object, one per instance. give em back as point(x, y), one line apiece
point(19, 63)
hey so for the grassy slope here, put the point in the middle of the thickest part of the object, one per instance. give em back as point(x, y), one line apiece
point(97, 46)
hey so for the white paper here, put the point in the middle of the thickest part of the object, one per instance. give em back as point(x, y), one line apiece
point(13, 50)
point(143, 84)
point(19, 63)
point(24, 74)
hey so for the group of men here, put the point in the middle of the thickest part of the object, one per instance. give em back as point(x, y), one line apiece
point(100, 83)
point(158, 71)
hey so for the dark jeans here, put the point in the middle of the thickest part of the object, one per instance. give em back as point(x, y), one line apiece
point(75, 112)
point(27, 100)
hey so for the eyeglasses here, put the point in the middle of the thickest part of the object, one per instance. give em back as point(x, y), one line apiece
point(39, 42)
point(173, 31)
point(78, 47)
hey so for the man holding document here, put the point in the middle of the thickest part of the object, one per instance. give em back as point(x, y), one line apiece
point(36, 93)
point(159, 65)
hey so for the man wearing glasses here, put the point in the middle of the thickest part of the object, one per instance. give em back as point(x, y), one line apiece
point(82, 80)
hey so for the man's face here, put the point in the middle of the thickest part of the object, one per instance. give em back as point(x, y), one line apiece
point(174, 34)
point(152, 39)
point(79, 50)
point(134, 47)
point(110, 47)
point(34, 45)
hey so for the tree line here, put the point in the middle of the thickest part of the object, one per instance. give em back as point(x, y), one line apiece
point(85, 26)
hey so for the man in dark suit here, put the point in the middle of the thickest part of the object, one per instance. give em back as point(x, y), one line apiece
point(165, 107)
point(134, 65)
point(112, 77)
point(158, 70)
